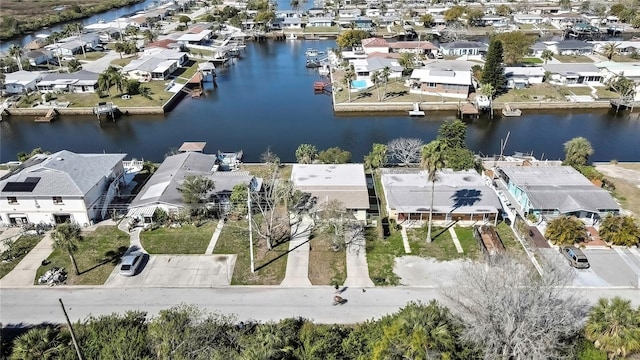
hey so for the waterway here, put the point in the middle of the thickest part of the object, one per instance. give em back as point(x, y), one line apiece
point(266, 100)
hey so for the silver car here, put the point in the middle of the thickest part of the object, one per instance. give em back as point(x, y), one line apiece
point(131, 263)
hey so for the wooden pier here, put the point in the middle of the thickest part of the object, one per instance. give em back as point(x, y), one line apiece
point(49, 117)
point(105, 108)
point(468, 110)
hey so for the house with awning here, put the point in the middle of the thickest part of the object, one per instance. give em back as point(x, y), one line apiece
point(82, 81)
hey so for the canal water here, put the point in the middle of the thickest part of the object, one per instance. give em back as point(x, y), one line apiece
point(266, 100)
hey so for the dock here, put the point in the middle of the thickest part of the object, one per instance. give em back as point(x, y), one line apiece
point(49, 117)
point(468, 110)
point(507, 111)
point(105, 108)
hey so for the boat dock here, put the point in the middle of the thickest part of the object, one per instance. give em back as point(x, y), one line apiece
point(507, 111)
point(105, 108)
point(468, 110)
point(49, 117)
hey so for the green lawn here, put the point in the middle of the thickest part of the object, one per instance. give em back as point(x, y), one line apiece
point(322, 29)
point(575, 90)
point(531, 60)
point(260, 170)
point(270, 265)
point(326, 266)
point(542, 91)
point(509, 240)
point(158, 97)
point(16, 252)
point(94, 55)
point(122, 62)
point(603, 93)
point(381, 255)
point(187, 239)
point(442, 247)
point(573, 58)
point(97, 255)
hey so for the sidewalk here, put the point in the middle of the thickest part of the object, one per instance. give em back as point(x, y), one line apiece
point(214, 238)
point(298, 258)
point(9, 234)
point(24, 273)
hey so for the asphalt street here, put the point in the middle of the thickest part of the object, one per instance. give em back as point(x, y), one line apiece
point(20, 306)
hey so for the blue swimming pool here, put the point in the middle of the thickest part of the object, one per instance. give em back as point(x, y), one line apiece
point(359, 84)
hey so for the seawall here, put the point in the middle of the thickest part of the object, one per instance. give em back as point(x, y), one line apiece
point(436, 106)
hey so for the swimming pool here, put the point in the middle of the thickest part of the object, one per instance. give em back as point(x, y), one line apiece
point(359, 84)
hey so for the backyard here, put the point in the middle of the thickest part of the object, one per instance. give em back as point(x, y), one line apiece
point(544, 91)
point(98, 253)
point(187, 239)
point(573, 58)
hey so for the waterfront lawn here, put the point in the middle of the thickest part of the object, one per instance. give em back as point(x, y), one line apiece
point(603, 93)
point(543, 91)
point(381, 255)
point(187, 239)
point(531, 60)
point(98, 254)
point(322, 29)
point(442, 247)
point(261, 170)
point(16, 252)
point(158, 97)
point(326, 267)
point(573, 58)
point(187, 71)
point(624, 58)
point(270, 265)
point(575, 90)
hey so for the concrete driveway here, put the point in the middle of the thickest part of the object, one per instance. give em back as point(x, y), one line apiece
point(179, 271)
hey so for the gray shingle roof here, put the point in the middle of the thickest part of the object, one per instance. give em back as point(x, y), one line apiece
point(65, 173)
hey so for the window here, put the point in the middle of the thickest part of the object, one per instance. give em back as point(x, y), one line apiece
point(431, 85)
point(12, 200)
point(57, 200)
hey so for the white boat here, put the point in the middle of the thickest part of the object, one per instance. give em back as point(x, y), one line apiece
point(507, 111)
point(311, 52)
point(324, 70)
point(416, 110)
point(292, 36)
point(483, 102)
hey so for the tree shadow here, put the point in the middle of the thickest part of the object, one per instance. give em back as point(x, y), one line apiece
point(281, 255)
point(111, 256)
point(465, 197)
point(364, 94)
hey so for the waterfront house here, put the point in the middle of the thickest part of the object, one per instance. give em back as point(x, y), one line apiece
point(291, 23)
point(519, 77)
point(537, 49)
point(320, 12)
point(21, 82)
point(630, 70)
point(162, 189)
point(38, 57)
point(167, 54)
point(551, 191)
point(364, 68)
point(574, 74)
point(572, 47)
point(624, 47)
point(445, 83)
point(459, 48)
point(73, 44)
point(528, 19)
point(320, 22)
point(460, 196)
point(375, 44)
point(60, 187)
point(200, 38)
point(82, 81)
point(345, 183)
point(150, 68)
point(349, 14)
point(416, 47)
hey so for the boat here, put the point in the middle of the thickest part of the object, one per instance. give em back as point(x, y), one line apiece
point(483, 102)
point(313, 63)
point(509, 112)
point(416, 110)
point(323, 70)
point(292, 36)
point(311, 52)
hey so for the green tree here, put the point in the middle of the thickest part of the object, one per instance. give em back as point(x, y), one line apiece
point(348, 77)
point(454, 13)
point(74, 66)
point(149, 167)
point(65, 237)
point(460, 159)
point(427, 19)
point(488, 90)
point(114, 336)
point(565, 4)
point(620, 230)
point(149, 35)
point(577, 151)
point(23, 156)
point(493, 72)
point(184, 19)
point(195, 192)
point(306, 153)
point(515, 45)
point(474, 16)
point(432, 162)
point(377, 157)
point(406, 60)
point(351, 38)
point(610, 49)
point(503, 10)
point(238, 199)
point(565, 230)
point(453, 133)
point(384, 76)
point(334, 155)
point(16, 52)
point(614, 327)
point(546, 55)
point(39, 343)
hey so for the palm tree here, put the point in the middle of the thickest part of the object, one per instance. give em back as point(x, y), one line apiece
point(149, 35)
point(614, 327)
point(349, 76)
point(406, 61)
point(577, 151)
point(565, 230)
point(38, 343)
point(376, 80)
point(546, 55)
point(65, 236)
point(104, 83)
point(620, 230)
point(488, 90)
point(610, 49)
point(16, 51)
point(432, 161)
point(384, 76)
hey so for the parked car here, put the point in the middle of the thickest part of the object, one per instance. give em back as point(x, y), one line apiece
point(67, 58)
point(131, 263)
point(576, 257)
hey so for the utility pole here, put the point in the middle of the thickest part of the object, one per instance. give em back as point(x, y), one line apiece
point(73, 335)
point(250, 230)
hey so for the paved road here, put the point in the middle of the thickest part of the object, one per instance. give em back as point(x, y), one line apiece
point(31, 306)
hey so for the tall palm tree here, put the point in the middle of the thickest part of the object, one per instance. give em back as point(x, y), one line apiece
point(349, 76)
point(432, 161)
point(65, 237)
point(384, 76)
point(610, 49)
point(488, 90)
point(376, 80)
point(38, 343)
point(104, 82)
point(614, 327)
point(546, 55)
point(16, 51)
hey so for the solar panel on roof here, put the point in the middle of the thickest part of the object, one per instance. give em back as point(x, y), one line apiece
point(20, 186)
point(32, 180)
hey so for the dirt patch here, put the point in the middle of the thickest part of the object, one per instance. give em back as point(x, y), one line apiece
point(417, 271)
point(626, 179)
point(326, 266)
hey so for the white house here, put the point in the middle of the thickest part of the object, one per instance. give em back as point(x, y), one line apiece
point(38, 57)
point(342, 182)
point(364, 68)
point(61, 187)
point(631, 71)
point(528, 19)
point(572, 47)
point(150, 68)
point(20, 82)
point(459, 48)
point(519, 77)
point(449, 83)
point(320, 22)
point(374, 44)
point(574, 74)
point(82, 81)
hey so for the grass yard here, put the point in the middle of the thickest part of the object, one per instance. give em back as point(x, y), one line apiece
point(509, 240)
point(97, 255)
point(540, 92)
point(326, 267)
point(603, 93)
point(260, 170)
point(321, 29)
point(16, 252)
point(158, 97)
point(624, 58)
point(573, 58)
point(531, 60)
point(94, 55)
point(575, 90)
point(626, 191)
point(122, 62)
point(442, 247)
point(187, 239)
point(381, 255)
point(270, 265)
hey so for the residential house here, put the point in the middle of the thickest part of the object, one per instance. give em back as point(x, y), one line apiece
point(449, 83)
point(416, 47)
point(345, 183)
point(348, 13)
point(319, 12)
point(459, 48)
point(375, 44)
point(631, 71)
point(364, 68)
point(21, 82)
point(73, 44)
point(168, 54)
point(320, 22)
point(60, 187)
point(623, 47)
point(82, 81)
point(528, 19)
point(460, 196)
point(201, 37)
point(519, 77)
point(537, 49)
point(291, 23)
point(551, 191)
point(388, 20)
point(162, 189)
point(150, 68)
point(38, 57)
point(572, 47)
point(373, 12)
point(573, 74)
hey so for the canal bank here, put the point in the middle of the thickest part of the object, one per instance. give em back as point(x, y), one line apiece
point(454, 106)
